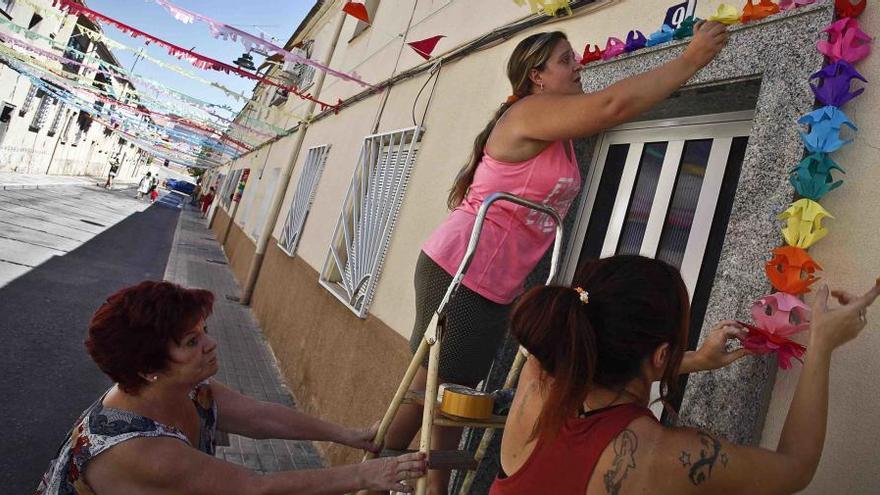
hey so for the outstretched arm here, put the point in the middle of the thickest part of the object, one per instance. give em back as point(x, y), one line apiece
point(168, 466)
point(553, 117)
point(240, 414)
point(712, 465)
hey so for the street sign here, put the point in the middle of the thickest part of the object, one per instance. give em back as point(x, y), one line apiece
point(678, 13)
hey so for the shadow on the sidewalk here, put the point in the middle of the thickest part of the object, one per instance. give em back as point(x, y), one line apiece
point(47, 377)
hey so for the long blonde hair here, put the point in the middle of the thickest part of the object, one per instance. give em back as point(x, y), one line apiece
point(531, 53)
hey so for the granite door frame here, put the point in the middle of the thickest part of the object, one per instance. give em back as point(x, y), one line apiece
point(780, 51)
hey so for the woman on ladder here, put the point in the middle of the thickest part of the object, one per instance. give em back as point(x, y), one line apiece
point(525, 150)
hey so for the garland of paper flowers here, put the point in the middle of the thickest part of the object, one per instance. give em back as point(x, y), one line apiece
point(791, 270)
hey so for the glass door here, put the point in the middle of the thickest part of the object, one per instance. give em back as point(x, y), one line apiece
point(654, 190)
point(664, 189)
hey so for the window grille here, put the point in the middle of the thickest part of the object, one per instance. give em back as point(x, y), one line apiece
point(303, 198)
point(230, 187)
point(28, 101)
point(369, 213)
point(41, 113)
point(56, 122)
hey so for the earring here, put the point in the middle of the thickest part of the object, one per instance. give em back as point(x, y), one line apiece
point(541, 85)
point(154, 377)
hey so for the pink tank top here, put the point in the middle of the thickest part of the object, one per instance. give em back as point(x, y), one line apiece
point(514, 238)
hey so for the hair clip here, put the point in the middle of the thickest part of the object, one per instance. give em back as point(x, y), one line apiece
point(583, 295)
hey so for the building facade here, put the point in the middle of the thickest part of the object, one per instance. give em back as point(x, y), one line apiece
point(40, 133)
point(697, 182)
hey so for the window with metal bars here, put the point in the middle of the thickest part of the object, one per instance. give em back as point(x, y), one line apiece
point(369, 213)
point(56, 122)
point(42, 113)
point(230, 187)
point(28, 101)
point(303, 197)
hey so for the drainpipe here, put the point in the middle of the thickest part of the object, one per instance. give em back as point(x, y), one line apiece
point(284, 179)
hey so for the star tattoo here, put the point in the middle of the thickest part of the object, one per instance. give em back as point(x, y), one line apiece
point(685, 459)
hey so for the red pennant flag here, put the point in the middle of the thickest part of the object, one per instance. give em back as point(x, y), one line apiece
point(357, 10)
point(426, 46)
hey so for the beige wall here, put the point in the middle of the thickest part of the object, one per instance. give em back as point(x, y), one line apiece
point(469, 91)
point(850, 255)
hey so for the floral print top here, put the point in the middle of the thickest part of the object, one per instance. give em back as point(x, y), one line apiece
point(100, 428)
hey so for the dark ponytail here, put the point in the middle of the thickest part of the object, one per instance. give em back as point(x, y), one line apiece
point(635, 305)
point(554, 326)
point(531, 53)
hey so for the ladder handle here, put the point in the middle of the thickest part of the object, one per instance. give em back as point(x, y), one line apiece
point(475, 239)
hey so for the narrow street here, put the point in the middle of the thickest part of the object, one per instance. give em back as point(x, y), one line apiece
point(62, 251)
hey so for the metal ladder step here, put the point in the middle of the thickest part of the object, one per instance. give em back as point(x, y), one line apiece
point(441, 459)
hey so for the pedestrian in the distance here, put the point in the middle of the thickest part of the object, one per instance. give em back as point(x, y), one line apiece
point(154, 186)
point(207, 199)
point(114, 169)
point(144, 185)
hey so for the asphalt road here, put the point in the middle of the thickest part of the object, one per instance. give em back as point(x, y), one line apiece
point(63, 250)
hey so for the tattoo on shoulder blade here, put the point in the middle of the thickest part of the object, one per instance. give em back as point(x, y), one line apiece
point(625, 446)
point(700, 470)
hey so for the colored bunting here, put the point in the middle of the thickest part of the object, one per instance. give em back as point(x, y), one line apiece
point(426, 46)
point(357, 10)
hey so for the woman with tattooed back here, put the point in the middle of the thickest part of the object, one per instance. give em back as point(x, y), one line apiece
point(580, 424)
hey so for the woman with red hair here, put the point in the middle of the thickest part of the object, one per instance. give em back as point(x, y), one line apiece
point(579, 423)
point(153, 431)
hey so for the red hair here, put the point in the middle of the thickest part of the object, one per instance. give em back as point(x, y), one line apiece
point(635, 305)
point(131, 333)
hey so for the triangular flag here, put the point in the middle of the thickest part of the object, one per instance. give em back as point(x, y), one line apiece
point(426, 46)
point(357, 10)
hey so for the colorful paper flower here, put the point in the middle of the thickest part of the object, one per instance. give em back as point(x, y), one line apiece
point(753, 12)
point(792, 270)
point(825, 124)
point(832, 86)
point(726, 14)
point(781, 314)
point(761, 341)
point(804, 223)
point(812, 177)
point(846, 41)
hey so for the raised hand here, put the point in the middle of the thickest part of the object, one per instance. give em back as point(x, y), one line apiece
point(832, 327)
point(709, 38)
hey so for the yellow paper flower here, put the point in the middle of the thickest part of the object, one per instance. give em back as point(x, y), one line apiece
point(726, 14)
point(804, 223)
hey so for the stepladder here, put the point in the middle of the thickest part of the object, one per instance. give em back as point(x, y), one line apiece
point(461, 460)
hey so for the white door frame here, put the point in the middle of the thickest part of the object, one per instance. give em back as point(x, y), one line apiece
point(721, 127)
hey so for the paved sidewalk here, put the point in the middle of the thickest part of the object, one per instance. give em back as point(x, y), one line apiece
point(12, 180)
point(246, 362)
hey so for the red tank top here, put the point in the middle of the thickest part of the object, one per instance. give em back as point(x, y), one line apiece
point(565, 466)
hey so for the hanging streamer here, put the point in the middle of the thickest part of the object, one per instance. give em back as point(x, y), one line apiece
point(196, 59)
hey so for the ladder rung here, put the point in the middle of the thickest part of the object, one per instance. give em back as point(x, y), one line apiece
point(441, 459)
point(413, 397)
point(495, 421)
